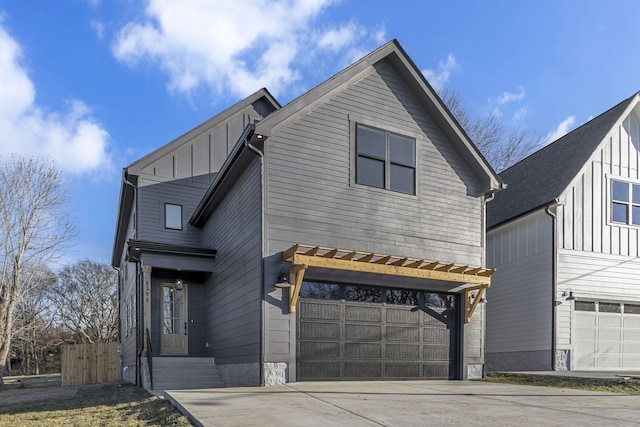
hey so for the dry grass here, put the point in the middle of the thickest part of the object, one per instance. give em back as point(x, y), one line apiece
point(613, 386)
point(111, 404)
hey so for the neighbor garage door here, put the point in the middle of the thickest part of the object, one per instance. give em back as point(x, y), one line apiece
point(342, 339)
point(607, 336)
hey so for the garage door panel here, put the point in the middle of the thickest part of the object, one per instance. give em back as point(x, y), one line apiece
point(363, 314)
point(609, 321)
point(397, 333)
point(631, 363)
point(363, 370)
point(436, 352)
point(319, 330)
point(402, 316)
point(320, 370)
point(402, 370)
point(402, 351)
point(608, 347)
point(320, 311)
point(631, 348)
point(632, 321)
point(435, 370)
point(363, 350)
point(310, 349)
point(363, 332)
point(435, 335)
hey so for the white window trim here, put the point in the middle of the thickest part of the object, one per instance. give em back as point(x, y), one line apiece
point(609, 200)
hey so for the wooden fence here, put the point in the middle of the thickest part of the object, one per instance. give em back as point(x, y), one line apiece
point(90, 363)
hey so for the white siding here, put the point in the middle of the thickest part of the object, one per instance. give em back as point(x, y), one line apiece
point(584, 216)
point(520, 300)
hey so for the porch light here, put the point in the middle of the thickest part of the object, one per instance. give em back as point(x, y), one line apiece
point(567, 294)
point(179, 284)
point(283, 280)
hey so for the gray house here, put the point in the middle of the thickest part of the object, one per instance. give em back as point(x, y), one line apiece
point(340, 237)
point(565, 239)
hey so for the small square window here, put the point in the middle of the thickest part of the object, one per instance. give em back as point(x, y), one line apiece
point(172, 216)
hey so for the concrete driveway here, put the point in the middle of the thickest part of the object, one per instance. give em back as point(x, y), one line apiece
point(406, 403)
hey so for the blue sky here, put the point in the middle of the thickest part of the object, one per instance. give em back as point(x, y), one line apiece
point(97, 84)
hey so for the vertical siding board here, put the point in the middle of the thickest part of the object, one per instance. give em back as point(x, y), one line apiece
point(587, 207)
point(598, 206)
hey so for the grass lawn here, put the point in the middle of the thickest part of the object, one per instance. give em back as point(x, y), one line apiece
point(613, 386)
point(111, 404)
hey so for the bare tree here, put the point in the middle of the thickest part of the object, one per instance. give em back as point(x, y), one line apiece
point(85, 299)
point(34, 226)
point(500, 145)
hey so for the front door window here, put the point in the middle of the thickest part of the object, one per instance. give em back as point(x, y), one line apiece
point(174, 319)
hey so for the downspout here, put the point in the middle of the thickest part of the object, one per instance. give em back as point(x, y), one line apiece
point(260, 154)
point(119, 318)
point(487, 199)
point(138, 290)
point(554, 279)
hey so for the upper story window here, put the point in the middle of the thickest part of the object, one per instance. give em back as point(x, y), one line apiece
point(385, 159)
point(172, 216)
point(625, 202)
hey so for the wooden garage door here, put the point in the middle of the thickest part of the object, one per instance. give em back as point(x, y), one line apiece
point(607, 336)
point(352, 340)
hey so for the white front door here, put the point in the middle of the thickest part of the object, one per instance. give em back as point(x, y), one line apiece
point(174, 334)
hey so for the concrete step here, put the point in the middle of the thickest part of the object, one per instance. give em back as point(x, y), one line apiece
point(179, 373)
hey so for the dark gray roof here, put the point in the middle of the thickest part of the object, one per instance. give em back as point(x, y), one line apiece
point(540, 178)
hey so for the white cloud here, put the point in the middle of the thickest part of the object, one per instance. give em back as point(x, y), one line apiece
point(439, 78)
point(507, 97)
point(562, 129)
point(520, 114)
point(235, 45)
point(99, 28)
point(73, 138)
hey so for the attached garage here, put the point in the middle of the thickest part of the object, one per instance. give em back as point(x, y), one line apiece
point(348, 332)
point(607, 335)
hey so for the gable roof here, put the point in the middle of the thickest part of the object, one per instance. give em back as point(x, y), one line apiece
point(138, 165)
point(131, 172)
point(427, 96)
point(540, 178)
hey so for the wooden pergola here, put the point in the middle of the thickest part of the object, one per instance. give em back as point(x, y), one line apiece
point(473, 279)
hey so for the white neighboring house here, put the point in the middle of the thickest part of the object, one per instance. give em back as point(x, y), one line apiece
point(565, 239)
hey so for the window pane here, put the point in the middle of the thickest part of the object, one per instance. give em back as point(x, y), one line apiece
point(371, 142)
point(362, 294)
point(636, 194)
point(433, 300)
point(370, 172)
point(402, 179)
point(585, 306)
point(402, 297)
point(326, 291)
point(402, 149)
point(635, 215)
point(620, 191)
point(609, 307)
point(173, 216)
point(632, 309)
point(619, 213)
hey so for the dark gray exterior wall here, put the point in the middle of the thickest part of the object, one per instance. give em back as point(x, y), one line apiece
point(152, 199)
point(232, 293)
point(313, 198)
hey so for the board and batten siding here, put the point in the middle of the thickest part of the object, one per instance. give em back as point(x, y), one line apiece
point(520, 299)
point(232, 292)
point(127, 304)
point(313, 199)
point(584, 214)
